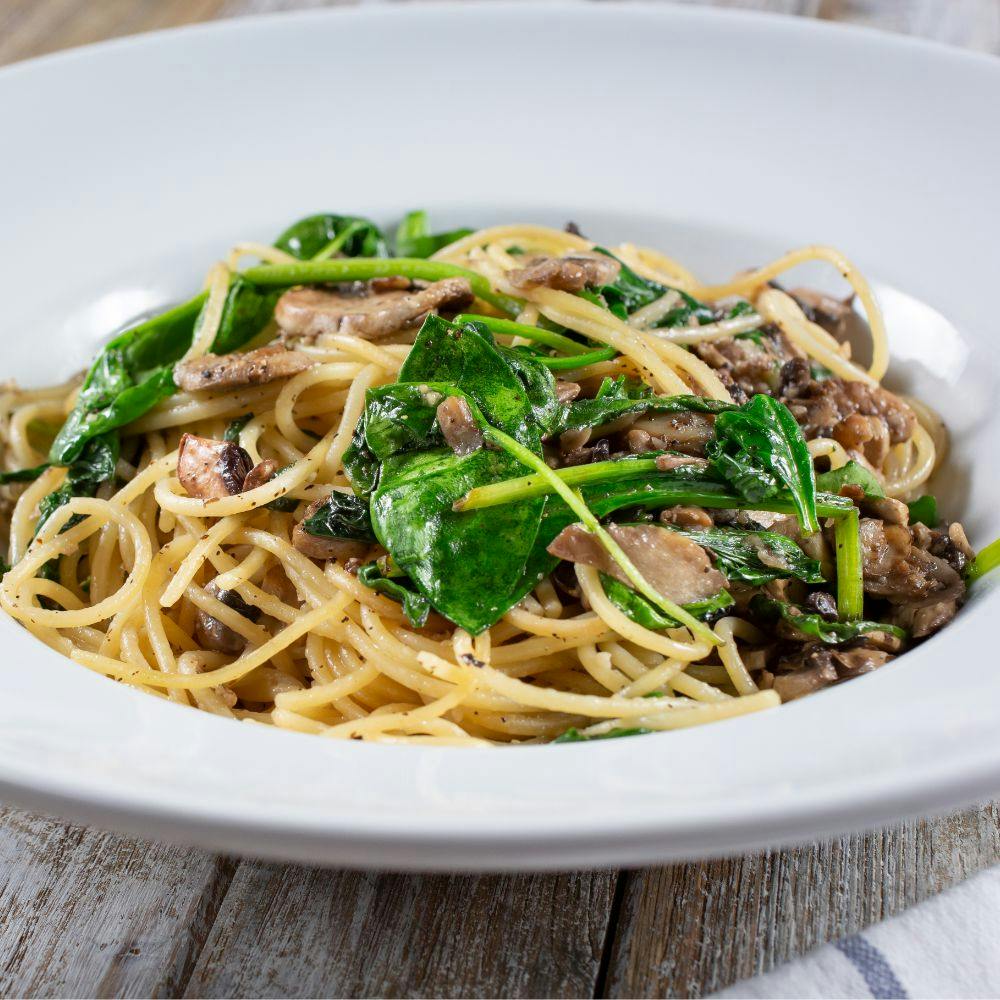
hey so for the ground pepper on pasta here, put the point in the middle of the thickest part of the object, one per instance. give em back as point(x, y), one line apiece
point(474, 488)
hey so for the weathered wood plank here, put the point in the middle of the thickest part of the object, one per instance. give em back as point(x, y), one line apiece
point(687, 930)
point(289, 931)
point(85, 913)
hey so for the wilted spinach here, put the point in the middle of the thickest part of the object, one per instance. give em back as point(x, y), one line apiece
point(850, 474)
point(812, 626)
point(22, 475)
point(416, 607)
point(630, 292)
point(574, 735)
point(136, 370)
point(618, 397)
point(350, 235)
point(414, 238)
point(635, 607)
point(760, 450)
point(235, 428)
point(96, 465)
point(341, 515)
point(924, 510)
point(754, 557)
point(472, 566)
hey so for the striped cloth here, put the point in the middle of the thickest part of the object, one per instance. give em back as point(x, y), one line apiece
point(948, 946)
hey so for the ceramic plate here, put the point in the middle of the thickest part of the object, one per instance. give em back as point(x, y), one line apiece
point(723, 139)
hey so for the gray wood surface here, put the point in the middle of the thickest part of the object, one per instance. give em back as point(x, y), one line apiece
point(84, 912)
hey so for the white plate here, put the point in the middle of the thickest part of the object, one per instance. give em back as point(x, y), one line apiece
point(722, 138)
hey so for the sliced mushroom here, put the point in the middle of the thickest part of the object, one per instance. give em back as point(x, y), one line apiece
point(260, 474)
point(458, 426)
point(319, 547)
point(683, 432)
point(210, 469)
point(213, 634)
point(309, 312)
point(567, 274)
point(802, 682)
point(668, 463)
point(685, 516)
point(813, 667)
point(673, 565)
point(566, 392)
point(225, 371)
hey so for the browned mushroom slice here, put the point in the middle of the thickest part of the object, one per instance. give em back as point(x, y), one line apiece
point(566, 274)
point(458, 426)
point(260, 474)
point(684, 432)
point(212, 634)
point(566, 392)
point(210, 469)
point(319, 547)
point(225, 371)
point(672, 564)
point(309, 312)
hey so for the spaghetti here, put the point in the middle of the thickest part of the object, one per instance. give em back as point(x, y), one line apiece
point(131, 559)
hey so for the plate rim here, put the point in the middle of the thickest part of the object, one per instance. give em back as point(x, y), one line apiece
point(548, 849)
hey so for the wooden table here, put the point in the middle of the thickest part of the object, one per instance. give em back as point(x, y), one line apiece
point(84, 912)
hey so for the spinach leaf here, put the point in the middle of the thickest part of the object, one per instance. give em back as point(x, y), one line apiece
point(618, 397)
point(312, 235)
point(416, 607)
point(470, 565)
point(754, 557)
point(414, 238)
point(360, 464)
point(235, 427)
point(630, 292)
point(635, 607)
point(247, 311)
point(22, 475)
point(402, 416)
point(467, 357)
point(540, 388)
point(130, 376)
point(813, 626)
point(759, 449)
point(574, 735)
point(924, 510)
point(850, 474)
point(135, 371)
point(341, 515)
point(95, 465)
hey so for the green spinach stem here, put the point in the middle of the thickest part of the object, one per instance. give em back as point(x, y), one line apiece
point(850, 584)
point(576, 503)
point(988, 559)
point(313, 272)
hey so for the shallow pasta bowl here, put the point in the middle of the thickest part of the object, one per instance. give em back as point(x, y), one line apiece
point(720, 138)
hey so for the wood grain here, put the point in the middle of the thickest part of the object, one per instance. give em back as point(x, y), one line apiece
point(687, 930)
point(284, 930)
point(89, 913)
point(85, 913)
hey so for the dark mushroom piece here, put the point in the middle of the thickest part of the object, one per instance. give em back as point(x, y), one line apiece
point(566, 274)
point(213, 634)
point(260, 474)
point(321, 547)
point(673, 565)
point(463, 436)
point(210, 469)
point(226, 371)
point(368, 312)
